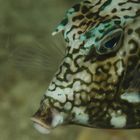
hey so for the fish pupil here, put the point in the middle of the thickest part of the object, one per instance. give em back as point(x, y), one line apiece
point(112, 42)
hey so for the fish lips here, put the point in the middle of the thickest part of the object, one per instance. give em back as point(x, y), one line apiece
point(41, 126)
point(44, 122)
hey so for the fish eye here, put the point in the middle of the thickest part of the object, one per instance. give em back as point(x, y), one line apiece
point(110, 42)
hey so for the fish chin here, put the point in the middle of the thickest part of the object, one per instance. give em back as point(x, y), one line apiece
point(40, 126)
point(41, 129)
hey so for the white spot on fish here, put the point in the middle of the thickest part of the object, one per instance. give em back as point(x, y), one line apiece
point(69, 77)
point(77, 86)
point(77, 100)
point(52, 86)
point(71, 10)
point(68, 106)
point(84, 76)
point(133, 97)
point(118, 121)
point(80, 115)
point(57, 119)
point(120, 68)
point(69, 93)
point(58, 94)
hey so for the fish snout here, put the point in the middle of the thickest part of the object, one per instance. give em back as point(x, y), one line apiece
point(44, 122)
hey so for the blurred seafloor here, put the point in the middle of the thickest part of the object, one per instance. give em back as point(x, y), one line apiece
point(28, 58)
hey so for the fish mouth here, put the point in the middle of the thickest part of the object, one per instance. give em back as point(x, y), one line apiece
point(45, 121)
point(40, 126)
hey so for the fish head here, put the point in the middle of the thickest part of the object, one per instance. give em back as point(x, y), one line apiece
point(85, 90)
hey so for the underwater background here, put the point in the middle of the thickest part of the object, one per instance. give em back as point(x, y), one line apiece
point(29, 56)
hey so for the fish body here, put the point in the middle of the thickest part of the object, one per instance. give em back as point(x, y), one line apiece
point(98, 82)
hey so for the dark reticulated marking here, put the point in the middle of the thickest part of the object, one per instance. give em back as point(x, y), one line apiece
point(138, 31)
point(130, 31)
